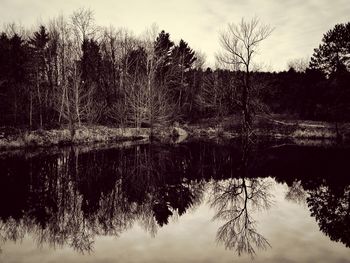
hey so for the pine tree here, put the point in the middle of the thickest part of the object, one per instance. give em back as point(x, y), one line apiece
point(334, 52)
point(39, 46)
point(162, 50)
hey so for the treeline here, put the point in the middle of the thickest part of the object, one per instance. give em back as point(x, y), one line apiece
point(310, 94)
point(72, 72)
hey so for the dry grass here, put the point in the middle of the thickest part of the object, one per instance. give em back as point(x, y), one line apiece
point(314, 134)
point(82, 135)
point(209, 129)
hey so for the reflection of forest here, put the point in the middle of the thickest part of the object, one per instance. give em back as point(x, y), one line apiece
point(70, 197)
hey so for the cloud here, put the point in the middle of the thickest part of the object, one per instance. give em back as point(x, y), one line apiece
point(299, 24)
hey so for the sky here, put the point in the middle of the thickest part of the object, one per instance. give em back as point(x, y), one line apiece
point(298, 24)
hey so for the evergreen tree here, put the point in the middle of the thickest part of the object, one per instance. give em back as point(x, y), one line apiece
point(39, 47)
point(183, 55)
point(94, 95)
point(332, 58)
point(162, 51)
point(18, 56)
point(90, 61)
point(334, 52)
point(182, 59)
point(137, 62)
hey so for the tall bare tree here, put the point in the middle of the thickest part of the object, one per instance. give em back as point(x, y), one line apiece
point(147, 99)
point(239, 44)
point(83, 24)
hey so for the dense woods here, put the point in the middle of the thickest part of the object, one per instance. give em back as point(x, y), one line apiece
point(71, 72)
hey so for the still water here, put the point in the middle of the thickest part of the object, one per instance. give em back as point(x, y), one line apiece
point(190, 202)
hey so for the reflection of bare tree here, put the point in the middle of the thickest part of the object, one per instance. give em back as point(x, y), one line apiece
point(10, 231)
point(296, 193)
point(234, 201)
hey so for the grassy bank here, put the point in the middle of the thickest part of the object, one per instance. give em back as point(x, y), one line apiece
point(226, 128)
point(44, 138)
point(276, 126)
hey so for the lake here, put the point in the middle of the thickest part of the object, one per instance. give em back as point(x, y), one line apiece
point(189, 202)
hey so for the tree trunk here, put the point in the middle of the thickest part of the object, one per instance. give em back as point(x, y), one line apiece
point(150, 91)
point(247, 120)
point(39, 100)
point(62, 103)
point(31, 110)
point(76, 95)
point(15, 109)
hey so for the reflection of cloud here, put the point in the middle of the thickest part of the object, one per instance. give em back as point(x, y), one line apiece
point(299, 24)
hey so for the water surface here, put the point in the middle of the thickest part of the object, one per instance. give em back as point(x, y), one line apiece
point(191, 202)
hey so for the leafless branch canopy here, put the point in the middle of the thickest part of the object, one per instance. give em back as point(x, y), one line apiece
point(240, 42)
point(83, 22)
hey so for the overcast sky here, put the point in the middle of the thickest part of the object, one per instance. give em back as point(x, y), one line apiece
point(299, 24)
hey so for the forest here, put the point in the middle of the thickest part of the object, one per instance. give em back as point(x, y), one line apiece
point(71, 72)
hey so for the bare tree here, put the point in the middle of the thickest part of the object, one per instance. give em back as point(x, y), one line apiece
point(145, 101)
point(211, 97)
point(11, 29)
point(71, 101)
point(64, 45)
point(83, 23)
point(298, 64)
point(160, 107)
point(200, 61)
point(239, 44)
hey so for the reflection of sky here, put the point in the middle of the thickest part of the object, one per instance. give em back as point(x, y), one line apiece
point(299, 24)
point(292, 233)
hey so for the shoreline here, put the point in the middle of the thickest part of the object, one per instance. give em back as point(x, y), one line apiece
point(86, 135)
point(61, 137)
